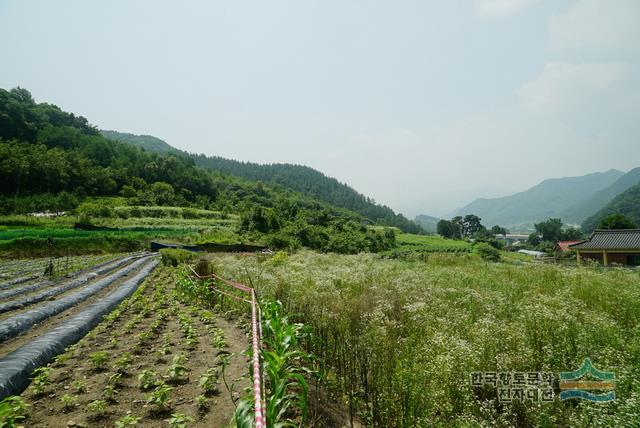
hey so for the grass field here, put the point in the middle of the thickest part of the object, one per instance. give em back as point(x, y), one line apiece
point(397, 340)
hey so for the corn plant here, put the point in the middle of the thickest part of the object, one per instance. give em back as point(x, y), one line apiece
point(98, 359)
point(287, 387)
point(159, 398)
point(12, 410)
point(127, 421)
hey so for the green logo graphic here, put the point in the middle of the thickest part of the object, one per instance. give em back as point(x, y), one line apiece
point(573, 386)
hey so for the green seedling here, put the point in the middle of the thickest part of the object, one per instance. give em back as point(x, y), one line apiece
point(97, 408)
point(127, 421)
point(12, 410)
point(179, 420)
point(98, 359)
point(115, 379)
point(209, 381)
point(159, 398)
point(148, 379)
point(202, 403)
point(177, 372)
point(109, 393)
point(80, 386)
point(68, 401)
point(123, 363)
point(40, 380)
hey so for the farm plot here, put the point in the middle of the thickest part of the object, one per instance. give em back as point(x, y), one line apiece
point(156, 359)
point(20, 271)
point(47, 321)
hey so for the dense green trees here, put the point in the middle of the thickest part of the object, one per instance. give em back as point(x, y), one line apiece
point(293, 177)
point(550, 231)
point(626, 203)
point(51, 160)
point(616, 221)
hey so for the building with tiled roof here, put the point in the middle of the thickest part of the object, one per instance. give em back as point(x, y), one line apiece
point(620, 246)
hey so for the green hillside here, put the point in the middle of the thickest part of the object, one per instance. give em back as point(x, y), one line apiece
point(294, 177)
point(551, 198)
point(54, 161)
point(599, 200)
point(626, 203)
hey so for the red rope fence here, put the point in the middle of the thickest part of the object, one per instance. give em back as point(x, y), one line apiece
point(260, 417)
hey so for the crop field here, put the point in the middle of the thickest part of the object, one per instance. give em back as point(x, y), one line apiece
point(397, 340)
point(20, 271)
point(156, 360)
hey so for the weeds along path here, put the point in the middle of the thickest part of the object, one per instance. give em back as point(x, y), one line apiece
point(156, 355)
point(29, 298)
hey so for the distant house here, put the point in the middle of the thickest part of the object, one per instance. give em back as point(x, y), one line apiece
point(621, 246)
point(562, 247)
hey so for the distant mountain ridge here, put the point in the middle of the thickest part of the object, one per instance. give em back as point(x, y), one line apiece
point(555, 197)
point(295, 177)
point(428, 223)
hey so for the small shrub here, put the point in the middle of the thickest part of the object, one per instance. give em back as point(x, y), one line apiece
point(487, 252)
point(175, 256)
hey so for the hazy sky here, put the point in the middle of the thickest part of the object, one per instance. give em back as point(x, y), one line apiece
point(422, 105)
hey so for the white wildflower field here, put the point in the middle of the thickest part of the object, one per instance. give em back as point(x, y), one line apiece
point(397, 340)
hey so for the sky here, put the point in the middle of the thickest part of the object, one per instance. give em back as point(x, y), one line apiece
point(422, 105)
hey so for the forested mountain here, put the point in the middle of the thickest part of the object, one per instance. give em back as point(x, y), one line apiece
point(52, 160)
point(552, 198)
point(427, 222)
point(295, 177)
point(626, 203)
point(599, 200)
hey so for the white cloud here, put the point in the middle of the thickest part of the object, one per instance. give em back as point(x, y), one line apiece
point(498, 8)
point(563, 86)
point(597, 24)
